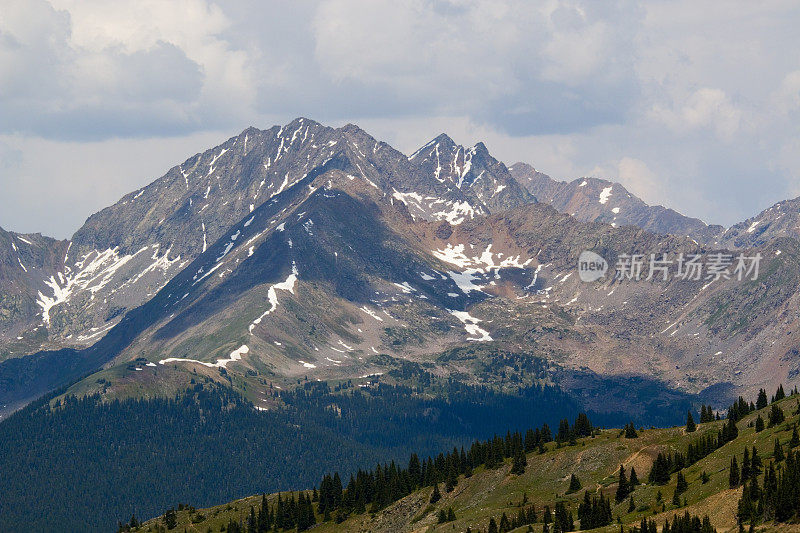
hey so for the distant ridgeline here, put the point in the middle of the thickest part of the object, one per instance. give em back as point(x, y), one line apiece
point(82, 464)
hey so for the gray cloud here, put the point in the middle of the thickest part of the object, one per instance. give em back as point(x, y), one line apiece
point(695, 109)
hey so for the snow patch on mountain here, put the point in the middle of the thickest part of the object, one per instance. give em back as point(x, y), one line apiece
point(93, 272)
point(371, 313)
point(235, 355)
point(286, 285)
point(471, 325)
point(485, 262)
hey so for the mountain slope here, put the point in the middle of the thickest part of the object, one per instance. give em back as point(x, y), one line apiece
point(782, 220)
point(598, 200)
point(24, 261)
point(330, 283)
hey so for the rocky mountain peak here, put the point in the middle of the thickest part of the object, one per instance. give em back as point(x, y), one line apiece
point(599, 200)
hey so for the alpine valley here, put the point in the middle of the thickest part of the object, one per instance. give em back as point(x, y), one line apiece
point(306, 299)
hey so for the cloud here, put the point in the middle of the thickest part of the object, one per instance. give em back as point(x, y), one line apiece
point(81, 70)
point(696, 109)
point(636, 176)
point(520, 68)
point(787, 97)
point(705, 108)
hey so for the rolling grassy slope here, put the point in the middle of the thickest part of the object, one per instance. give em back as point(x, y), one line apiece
point(595, 460)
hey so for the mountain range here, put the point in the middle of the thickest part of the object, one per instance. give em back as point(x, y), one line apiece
point(305, 298)
point(305, 251)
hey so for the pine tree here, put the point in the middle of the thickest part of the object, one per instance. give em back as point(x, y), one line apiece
point(777, 451)
point(415, 470)
point(442, 516)
point(660, 471)
point(681, 485)
point(563, 519)
point(631, 505)
point(759, 424)
point(582, 427)
point(622, 488)
point(251, 520)
point(435, 495)
point(745, 471)
point(779, 394)
point(452, 479)
point(706, 414)
point(733, 476)
point(761, 402)
point(531, 440)
point(690, 425)
point(505, 525)
point(574, 484)
point(795, 440)
point(519, 462)
point(755, 462)
point(776, 416)
point(171, 518)
point(634, 479)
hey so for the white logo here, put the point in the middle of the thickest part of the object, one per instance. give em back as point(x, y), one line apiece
point(591, 266)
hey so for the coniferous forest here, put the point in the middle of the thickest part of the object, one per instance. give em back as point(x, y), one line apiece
point(85, 463)
point(138, 457)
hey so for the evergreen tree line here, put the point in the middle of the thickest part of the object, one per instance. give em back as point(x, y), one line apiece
point(680, 524)
point(777, 496)
point(667, 464)
point(375, 489)
point(741, 408)
point(524, 517)
point(594, 512)
point(707, 414)
point(285, 514)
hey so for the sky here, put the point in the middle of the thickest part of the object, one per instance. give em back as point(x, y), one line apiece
point(692, 105)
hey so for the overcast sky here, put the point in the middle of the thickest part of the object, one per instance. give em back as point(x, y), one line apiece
point(693, 105)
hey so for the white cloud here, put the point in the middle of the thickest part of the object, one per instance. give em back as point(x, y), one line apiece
point(640, 180)
point(705, 108)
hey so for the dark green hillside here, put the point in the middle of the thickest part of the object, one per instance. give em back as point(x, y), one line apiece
point(82, 464)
